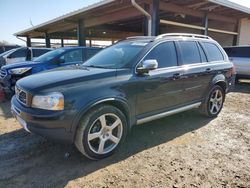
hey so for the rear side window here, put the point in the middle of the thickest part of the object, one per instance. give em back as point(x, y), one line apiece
point(214, 53)
point(19, 53)
point(38, 52)
point(165, 54)
point(190, 52)
point(238, 52)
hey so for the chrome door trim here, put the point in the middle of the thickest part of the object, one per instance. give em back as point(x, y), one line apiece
point(167, 113)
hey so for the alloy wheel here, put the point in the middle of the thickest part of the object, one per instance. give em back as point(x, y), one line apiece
point(216, 101)
point(105, 133)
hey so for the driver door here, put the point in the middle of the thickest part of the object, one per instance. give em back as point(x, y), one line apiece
point(160, 89)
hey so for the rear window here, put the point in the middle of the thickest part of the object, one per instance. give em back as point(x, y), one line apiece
point(214, 53)
point(190, 52)
point(38, 52)
point(238, 52)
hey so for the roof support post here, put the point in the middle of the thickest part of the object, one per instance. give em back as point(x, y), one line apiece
point(81, 33)
point(236, 37)
point(206, 24)
point(62, 43)
point(155, 18)
point(28, 41)
point(145, 20)
point(47, 40)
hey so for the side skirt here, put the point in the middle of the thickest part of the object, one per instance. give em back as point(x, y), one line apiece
point(167, 113)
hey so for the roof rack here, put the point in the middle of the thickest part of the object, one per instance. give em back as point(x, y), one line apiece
point(182, 35)
point(140, 37)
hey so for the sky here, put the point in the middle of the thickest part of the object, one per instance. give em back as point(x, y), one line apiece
point(18, 15)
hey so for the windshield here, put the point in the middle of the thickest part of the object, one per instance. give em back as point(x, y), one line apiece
point(116, 56)
point(49, 55)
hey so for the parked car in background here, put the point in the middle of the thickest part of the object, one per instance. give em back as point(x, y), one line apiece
point(5, 48)
point(21, 54)
point(240, 56)
point(132, 82)
point(60, 57)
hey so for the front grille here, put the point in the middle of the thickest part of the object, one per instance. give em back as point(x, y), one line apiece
point(21, 96)
point(3, 73)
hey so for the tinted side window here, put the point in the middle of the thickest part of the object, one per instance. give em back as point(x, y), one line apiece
point(38, 52)
point(72, 56)
point(190, 52)
point(19, 53)
point(165, 54)
point(238, 52)
point(90, 53)
point(214, 53)
point(202, 53)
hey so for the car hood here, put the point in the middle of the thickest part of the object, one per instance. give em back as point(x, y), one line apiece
point(63, 76)
point(20, 65)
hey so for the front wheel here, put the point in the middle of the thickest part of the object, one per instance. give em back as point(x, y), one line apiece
point(214, 102)
point(101, 132)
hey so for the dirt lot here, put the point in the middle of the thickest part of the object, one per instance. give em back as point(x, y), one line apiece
point(184, 150)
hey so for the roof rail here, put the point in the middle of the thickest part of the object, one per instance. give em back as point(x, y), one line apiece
point(182, 35)
point(140, 37)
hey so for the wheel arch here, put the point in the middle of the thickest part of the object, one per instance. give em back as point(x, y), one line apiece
point(221, 81)
point(121, 104)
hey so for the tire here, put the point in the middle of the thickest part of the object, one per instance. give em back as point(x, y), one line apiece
point(101, 132)
point(214, 101)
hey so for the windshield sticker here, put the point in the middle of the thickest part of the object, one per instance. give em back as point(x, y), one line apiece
point(139, 44)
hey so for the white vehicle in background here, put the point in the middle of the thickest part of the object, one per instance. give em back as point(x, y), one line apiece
point(240, 56)
point(21, 54)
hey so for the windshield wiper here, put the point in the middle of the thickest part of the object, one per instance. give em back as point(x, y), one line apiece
point(95, 66)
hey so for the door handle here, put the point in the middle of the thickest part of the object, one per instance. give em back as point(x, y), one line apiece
point(208, 70)
point(176, 76)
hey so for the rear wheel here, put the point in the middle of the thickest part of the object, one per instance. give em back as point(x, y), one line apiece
point(214, 102)
point(101, 132)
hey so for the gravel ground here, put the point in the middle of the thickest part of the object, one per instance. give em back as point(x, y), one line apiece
point(184, 150)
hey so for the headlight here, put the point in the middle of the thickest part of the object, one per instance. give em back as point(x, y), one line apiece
point(19, 71)
point(53, 101)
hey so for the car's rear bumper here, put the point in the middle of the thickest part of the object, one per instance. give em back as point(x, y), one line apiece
point(53, 125)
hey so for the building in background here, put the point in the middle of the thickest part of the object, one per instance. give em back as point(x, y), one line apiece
point(112, 20)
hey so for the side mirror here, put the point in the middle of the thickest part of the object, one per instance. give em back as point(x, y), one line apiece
point(147, 65)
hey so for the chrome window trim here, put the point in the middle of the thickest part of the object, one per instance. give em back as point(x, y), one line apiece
point(168, 40)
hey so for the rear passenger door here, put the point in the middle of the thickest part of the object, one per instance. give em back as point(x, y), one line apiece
point(197, 72)
point(161, 89)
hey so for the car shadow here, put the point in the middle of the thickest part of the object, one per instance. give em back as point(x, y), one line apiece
point(43, 161)
point(243, 86)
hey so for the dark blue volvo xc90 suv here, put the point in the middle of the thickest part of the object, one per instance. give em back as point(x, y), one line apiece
point(137, 80)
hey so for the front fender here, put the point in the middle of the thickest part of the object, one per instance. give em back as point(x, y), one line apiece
point(96, 102)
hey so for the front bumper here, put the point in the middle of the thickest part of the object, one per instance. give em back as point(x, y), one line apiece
point(53, 125)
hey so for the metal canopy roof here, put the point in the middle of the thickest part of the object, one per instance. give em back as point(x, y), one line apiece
point(115, 19)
